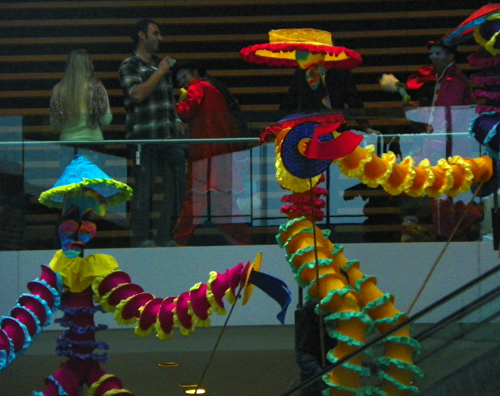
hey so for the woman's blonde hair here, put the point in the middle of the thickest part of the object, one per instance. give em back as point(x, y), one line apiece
point(72, 91)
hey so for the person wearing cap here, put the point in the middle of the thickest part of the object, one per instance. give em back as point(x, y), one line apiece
point(448, 84)
point(446, 91)
point(439, 86)
point(310, 92)
point(322, 79)
point(146, 81)
point(212, 181)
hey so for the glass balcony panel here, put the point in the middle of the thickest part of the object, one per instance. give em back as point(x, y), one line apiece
point(353, 212)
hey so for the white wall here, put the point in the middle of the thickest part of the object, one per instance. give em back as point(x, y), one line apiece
point(399, 268)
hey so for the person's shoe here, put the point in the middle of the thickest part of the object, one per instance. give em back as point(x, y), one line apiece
point(147, 243)
point(172, 243)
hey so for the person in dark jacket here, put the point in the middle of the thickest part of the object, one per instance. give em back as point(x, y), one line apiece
point(337, 92)
point(309, 353)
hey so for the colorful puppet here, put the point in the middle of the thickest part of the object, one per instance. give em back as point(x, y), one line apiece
point(305, 148)
point(301, 48)
point(312, 52)
point(72, 283)
point(484, 26)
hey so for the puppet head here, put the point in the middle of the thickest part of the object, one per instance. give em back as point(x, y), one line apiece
point(82, 189)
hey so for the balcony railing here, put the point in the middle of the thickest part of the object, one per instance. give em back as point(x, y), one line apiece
point(353, 212)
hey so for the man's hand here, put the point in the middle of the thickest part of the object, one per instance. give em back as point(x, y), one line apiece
point(164, 65)
point(144, 90)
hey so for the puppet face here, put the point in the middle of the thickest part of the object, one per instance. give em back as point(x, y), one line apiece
point(439, 57)
point(313, 64)
point(306, 60)
point(185, 77)
point(87, 201)
point(75, 235)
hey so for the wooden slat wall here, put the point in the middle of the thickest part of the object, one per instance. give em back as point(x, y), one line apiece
point(36, 36)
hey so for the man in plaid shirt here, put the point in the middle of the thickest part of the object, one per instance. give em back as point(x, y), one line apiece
point(146, 81)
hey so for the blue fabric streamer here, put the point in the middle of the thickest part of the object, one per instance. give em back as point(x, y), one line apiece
point(274, 288)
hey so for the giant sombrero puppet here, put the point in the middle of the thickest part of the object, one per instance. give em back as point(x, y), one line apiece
point(72, 283)
point(305, 147)
point(308, 49)
point(301, 48)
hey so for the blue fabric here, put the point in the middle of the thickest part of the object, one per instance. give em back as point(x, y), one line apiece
point(296, 163)
point(80, 169)
point(276, 289)
point(455, 38)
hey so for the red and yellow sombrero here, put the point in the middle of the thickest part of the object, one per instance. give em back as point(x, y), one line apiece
point(284, 43)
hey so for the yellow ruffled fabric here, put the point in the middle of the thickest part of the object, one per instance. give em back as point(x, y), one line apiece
point(112, 392)
point(183, 330)
point(123, 192)
point(290, 182)
point(423, 179)
point(103, 301)
point(353, 164)
point(377, 171)
point(450, 177)
point(160, 334)
point(78, 273)
point(462, 176)
point(443, 179)
point(197, 322)
point(140, 332)
point(210, 295)
point(118, 313)
point(119, 392)
point(401, 177)
point(96, 384)
point(95, 287)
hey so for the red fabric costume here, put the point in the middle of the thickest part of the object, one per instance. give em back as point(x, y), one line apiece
point(454, 89)
point(210, 166)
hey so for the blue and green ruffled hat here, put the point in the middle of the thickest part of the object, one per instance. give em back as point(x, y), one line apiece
point(80, 174)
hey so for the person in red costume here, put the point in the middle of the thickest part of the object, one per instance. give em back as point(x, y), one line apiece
point(442, 83)
point(212, 179)
point(446, 91)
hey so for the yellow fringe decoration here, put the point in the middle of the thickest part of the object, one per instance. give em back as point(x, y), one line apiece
point(92, 389)
point(449, 177)
point(290, 182)
point(143, 333)
point(423, 179)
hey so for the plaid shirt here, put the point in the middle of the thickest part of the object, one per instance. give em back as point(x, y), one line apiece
point(154, 118)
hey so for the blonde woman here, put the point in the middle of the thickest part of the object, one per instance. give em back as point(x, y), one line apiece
point(79, 102)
